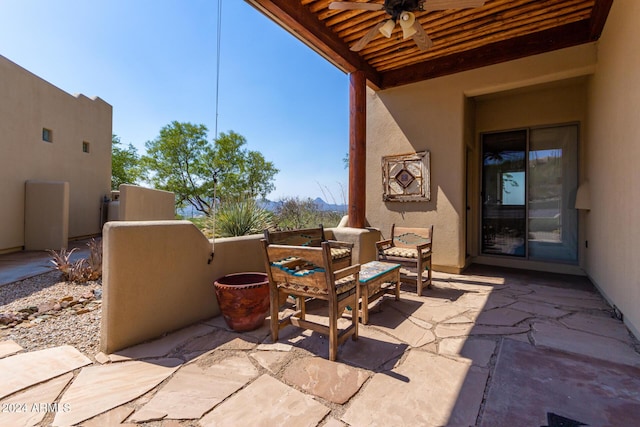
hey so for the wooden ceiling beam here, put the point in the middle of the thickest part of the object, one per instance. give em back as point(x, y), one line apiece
point(519, 47)
point(300, 22)
point(599, 17)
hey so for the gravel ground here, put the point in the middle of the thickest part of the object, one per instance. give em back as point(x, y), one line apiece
point(80, 331)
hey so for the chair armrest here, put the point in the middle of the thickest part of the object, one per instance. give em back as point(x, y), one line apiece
point(352, 269)
point(384, 244)
point(340, 244)
point(423, 246)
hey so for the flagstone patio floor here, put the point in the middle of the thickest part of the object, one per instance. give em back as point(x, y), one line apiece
point(491, 347)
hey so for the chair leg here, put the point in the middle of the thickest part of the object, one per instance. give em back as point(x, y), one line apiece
point(355, 314)
point(274, 310)
point(419, 271)
point(333, 330)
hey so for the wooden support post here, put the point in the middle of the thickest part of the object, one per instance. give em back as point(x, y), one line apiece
point(357, 149)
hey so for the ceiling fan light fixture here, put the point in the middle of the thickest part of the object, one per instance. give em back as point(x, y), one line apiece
point(387, 28)
point(407, 21)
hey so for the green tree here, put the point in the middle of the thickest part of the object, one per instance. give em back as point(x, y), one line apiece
point(125, 164)
point(183, 161)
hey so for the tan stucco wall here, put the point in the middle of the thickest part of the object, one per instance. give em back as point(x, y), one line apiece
point(157, 277)
point(363, 239)
point(46, 222)
point(27, 105)
point(435, 115)
point(145, 204)
point(613, 150)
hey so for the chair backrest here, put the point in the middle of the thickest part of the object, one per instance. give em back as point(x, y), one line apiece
point(303, 268)
point(312, 237)
point(410, 237)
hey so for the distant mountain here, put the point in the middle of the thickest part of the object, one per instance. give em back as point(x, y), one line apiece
point(324, 206)
point(321, 204)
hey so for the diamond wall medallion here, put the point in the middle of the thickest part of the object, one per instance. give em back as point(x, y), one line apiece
point(405, 178)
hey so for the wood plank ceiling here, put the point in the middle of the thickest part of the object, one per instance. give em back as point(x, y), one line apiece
point(463, 39)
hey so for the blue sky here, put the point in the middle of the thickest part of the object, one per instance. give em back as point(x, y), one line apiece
point(154, 61)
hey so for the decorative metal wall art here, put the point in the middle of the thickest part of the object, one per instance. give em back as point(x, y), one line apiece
point(405, 177)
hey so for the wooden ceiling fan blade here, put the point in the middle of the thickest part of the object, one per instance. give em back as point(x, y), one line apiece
point(451, 4)
point(367, 38)
point(346, 5)
point(423, 41)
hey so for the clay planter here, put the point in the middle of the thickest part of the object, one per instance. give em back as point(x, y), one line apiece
point(243, 300)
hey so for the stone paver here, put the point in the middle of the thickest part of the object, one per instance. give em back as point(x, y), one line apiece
point(98, 389)
point(372, 350)
point(28, 408)
point(189, 393)
point(426, 390)
point(26, 369)
point(163, 346)
point(478, 350)
point(335, 382)
point(394, 323)
point(425, 360)
point(526, 387)
point(539, 309)
point(271, 360)
point(578, 342)
point(114, 417)
point(8, 348)
point(266, 403)
point(598, 325)
point(502, 317)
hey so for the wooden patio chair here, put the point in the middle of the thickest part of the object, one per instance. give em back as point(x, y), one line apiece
point(410, 247)
point(341, 252)
point(308, 272)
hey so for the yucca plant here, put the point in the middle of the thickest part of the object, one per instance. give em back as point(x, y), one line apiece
point(241, 217)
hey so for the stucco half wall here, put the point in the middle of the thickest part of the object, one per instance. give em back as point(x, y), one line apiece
point(157, 278)
point(46, 215)
point(145, 204)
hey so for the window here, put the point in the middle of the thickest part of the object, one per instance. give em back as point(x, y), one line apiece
point(85, 147)
point(47, 135)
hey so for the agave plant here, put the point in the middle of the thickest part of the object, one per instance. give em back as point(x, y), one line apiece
point(241, 217)
point(62, 261)
point(81, 270)
point(95, 259)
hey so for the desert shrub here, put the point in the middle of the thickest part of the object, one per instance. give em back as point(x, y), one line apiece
point(81, 270)
point(241, 217)
point(293, 213)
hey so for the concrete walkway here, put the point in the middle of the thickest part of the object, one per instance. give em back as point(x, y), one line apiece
point(487, 348)
point(22, 265)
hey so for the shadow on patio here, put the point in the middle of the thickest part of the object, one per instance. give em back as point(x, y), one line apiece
point(489, 347)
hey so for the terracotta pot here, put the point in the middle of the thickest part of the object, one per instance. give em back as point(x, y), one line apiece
point(243, 299)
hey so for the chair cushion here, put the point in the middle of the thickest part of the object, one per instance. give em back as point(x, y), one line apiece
point(342, 285)
point(339, 253)
point(299, 270)
point(403, 252)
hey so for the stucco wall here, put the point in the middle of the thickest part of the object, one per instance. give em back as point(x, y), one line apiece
point(27, 105)
point(613, 141)
point(157, 277)
point(145, 204)
point(434, 115)
point(46, 223)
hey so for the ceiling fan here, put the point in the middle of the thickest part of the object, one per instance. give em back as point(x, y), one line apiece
point(402, 11)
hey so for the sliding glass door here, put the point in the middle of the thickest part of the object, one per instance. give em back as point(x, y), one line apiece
point(529, 179)
point(503, 193)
